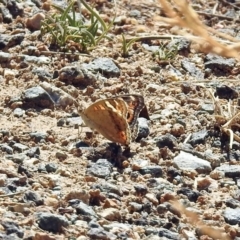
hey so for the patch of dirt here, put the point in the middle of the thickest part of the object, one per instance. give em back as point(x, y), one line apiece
point(179, 180)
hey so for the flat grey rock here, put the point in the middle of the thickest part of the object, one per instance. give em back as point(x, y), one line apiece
point(229, 170)
point(186, 161)
point(232, 216)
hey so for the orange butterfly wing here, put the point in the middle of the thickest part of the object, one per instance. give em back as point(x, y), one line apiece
point(108, 117)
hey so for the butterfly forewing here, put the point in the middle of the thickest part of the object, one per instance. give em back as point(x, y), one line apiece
point(115, 118)
point(108, 117)
point(119, 105)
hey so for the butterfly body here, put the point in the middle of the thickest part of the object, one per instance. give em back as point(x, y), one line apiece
point(114, 118)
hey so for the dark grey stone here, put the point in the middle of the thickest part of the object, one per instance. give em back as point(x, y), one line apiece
point(77, 75)
point(232, 203)
point(33, 152)
point(173, 172)
point(37, 96)
point(114, 196)
point(155, 171)
point(192, 69)
point(42, 74)
point(181, 44)
point(52, 222)
point(6, 148)
point(140, 189)
point(148, 208)
point(104, 65)
point(61, 122)
point(160, 184)
point(19, 147)
point(162, 232)
point(5, 132)
point(12, 227)
point(191, 194)
point(12, 236)
point(7, 17)
point(226, 92)
point(231, 171)
point(152, 233)
point(141, 221)
point(96, 233)
point(51, 167)
point(17, 158)
point(31, 196)
point(198, 137)
point(38, 137)
point(108, 188)
point(94, 224)
point(30, 50)
point(232, 216)
point(102, 168)
point(84, 209)
point(166, 140)
point(23, 169)
point(155, 222)
point(143, 128)
point(15, 8)
point(15, 40)
point(4, 39)
point(162, 208)
point(219, 65)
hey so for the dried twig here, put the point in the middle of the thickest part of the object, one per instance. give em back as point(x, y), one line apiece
point(231, 4)
point(219, 16)
point(13, 194)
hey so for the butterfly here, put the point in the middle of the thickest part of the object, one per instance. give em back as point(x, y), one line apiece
point(115, 118)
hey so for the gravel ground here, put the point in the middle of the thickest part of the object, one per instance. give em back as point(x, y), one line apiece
point(179, 179)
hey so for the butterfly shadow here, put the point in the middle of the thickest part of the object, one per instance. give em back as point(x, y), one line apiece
point(113, 152)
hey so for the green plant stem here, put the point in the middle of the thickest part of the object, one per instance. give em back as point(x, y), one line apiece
point(95, 14)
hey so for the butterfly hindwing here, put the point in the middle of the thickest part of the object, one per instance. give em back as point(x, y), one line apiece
point(135, 104)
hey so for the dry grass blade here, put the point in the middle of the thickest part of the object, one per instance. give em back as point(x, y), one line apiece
point(234, 120)
point(203, 228)
point(226, 120)
point(186, 17)
point(227, 128)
